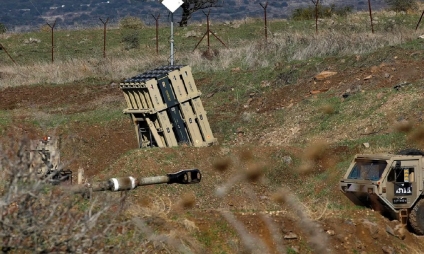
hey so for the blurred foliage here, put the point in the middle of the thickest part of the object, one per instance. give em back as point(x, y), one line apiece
point(401, 5)
point(130, 22)
point(130, 35)
point(3, 28)
point(130, 39)
point(45, 28)
point(308, 13)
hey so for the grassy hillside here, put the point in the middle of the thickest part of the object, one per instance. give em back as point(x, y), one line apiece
point(285, 135)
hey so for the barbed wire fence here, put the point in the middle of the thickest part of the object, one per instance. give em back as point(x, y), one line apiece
point(263, 10)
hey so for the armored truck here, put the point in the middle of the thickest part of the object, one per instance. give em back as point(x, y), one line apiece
point(389, 183)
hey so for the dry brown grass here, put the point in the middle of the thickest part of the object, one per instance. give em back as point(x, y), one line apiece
point(289, 45)
point(35, 216)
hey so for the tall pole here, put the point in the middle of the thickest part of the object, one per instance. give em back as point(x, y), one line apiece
point(104, 40)
point(209, 31)
point(52, 43)
point(157, 32)
point(172, 6)
point(369, 7)
point(316, 16)
point(419, 21)
point(266, 27)
point(52, 28)
point(208, 27)
point(104, 36)
point(172, 38)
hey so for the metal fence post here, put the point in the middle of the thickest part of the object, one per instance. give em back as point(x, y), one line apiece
point(316, 15)
point(266, 27)
point(104, 35)
point(52, 27)
point(369, 7)
point(207, 33)
point(157, 31)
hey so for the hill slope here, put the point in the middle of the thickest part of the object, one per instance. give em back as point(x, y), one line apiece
point(271, 121)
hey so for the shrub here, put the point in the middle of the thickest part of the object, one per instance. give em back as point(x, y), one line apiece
point(45, 29)
point(3, 28)
point(308, 13)
point(343, 11)
point(130, 22)
point(130, 39)
point(37, 217)
point(401, 5)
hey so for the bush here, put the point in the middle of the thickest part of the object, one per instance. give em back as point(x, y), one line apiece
point(130, 39)
point(37, 217)
point(45, 29)
point(3, 28)
point(130, 22)
point(401, 5)
point(308, 13)
point(343, 11)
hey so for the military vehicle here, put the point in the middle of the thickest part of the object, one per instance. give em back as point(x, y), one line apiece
point(389, 183)
point(44, 157)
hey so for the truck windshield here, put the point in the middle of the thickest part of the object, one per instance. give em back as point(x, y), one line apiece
point(368, 169)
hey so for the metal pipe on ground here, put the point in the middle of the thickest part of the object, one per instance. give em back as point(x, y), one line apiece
point(187, 176)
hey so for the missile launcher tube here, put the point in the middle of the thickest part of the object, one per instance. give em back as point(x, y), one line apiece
point(188, 176)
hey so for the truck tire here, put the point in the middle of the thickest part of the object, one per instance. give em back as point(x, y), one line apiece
point(411, 151)
point(416, 217)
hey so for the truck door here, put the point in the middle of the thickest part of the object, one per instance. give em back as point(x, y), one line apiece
point(402, 189)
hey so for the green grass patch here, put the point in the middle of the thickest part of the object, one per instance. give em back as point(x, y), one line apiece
point(99, 116)
point(342, 166)
point(83, 43)
point(283, 170)
point(212, 238)
point(4, 120)
point(392, 141)
point(359, 111)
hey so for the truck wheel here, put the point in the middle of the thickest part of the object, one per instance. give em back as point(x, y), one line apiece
point(411, 151)
point(416, 218)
